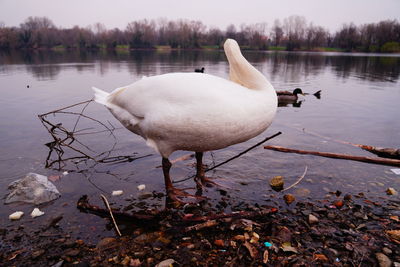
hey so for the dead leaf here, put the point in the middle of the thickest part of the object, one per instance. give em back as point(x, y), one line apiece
point(320, 257)
point(15, 254)
point(287, 247)
point(265, 257)
point(252, 250)
point(394, 235)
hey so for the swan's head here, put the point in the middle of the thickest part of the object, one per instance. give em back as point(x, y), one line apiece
point(231, 47)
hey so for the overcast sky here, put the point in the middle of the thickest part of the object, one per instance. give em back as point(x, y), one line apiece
point(220, 13)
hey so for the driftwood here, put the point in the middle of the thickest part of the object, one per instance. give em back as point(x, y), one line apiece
point(381, 161)
point(140, 218)
point(383, 152)
point(188, 219)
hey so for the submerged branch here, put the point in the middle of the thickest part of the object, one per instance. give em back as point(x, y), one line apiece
point(381, 161)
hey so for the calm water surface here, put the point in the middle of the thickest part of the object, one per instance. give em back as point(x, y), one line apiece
point(359, 104)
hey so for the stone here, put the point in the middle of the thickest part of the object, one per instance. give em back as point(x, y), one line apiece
point(387, 251)
point(33, 188)
point(312, 219)
point(276, 183)
point(166, 263)
point(106, 243)
point(391, 191)
point(289, 198)
point(383, 260)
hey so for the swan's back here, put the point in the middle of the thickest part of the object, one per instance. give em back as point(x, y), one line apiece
point(191, 111)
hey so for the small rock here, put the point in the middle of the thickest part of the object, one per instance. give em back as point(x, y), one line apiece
point(387, 251)
point(37, 253)
point(36, 213)
point(347, 197)
point(391, 191)
point(135, 263)
point(72, 252)
point(312, 219)
point(126, 261)
point(276, 183)
point(106, 243)
point(338, 203)
point(383, 260)
point(289, 198)
point(141, 187)
point(16, 215)
point(219, 242)
point(302, 192)
point(117, 192)
point(165, 263)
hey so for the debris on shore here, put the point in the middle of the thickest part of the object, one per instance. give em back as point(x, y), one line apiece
point(360, 233)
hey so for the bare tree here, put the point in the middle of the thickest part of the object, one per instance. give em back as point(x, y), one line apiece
point(277, 32)
point(294, 28)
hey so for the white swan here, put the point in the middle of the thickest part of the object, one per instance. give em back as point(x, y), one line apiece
point(195, 111)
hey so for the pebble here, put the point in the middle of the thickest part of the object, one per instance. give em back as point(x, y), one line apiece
point(387, 251)
point(276, 183)
point(312, 219)
point(383, 260)
point(219, 242)
point(141, 187)
point(289, 198)
point(106, 243)
point(391, 191)
point(302, 192)
point(166, 263)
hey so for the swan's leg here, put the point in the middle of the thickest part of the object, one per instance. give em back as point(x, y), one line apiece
point(172, 192)
point(200, 178)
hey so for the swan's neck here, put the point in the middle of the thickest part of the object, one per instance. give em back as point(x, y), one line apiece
point(242, 72)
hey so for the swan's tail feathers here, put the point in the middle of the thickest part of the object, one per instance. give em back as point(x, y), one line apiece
point(100, 96)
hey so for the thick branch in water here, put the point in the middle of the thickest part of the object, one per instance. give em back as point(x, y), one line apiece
point(381, 161)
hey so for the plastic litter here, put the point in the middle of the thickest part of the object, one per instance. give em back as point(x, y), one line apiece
point(36, 213)
point(16, 215)
point(117, 192)
point(267, 244)
point(33, 188)
point(396, 171)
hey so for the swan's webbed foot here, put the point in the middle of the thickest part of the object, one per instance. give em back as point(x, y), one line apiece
point(176, 196)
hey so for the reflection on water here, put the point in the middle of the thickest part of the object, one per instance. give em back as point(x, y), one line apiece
point(359, 104)
point(46, 65)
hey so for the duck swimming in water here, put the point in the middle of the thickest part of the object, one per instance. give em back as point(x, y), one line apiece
point(195, 112)
point(287, 95)
point(199, 70)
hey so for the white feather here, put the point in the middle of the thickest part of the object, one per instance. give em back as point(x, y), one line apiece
point(195, 111)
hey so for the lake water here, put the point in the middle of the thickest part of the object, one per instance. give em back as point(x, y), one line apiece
point(359, 104)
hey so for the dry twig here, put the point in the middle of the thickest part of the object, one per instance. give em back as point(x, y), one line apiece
point(111, 214)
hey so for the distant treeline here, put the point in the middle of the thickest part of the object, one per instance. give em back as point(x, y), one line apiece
point(293, 33)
